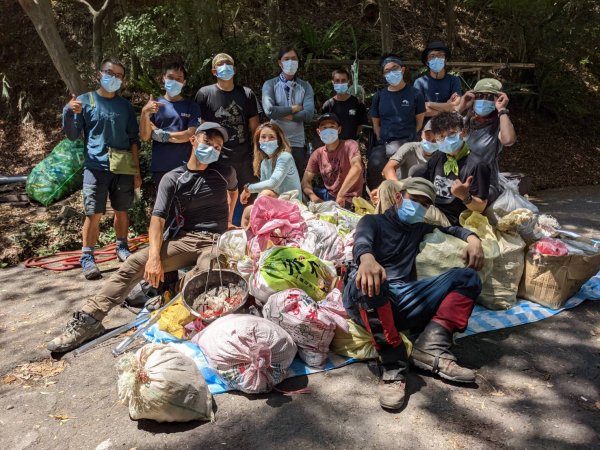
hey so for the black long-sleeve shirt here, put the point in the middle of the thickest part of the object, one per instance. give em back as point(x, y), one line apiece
point(394, 243)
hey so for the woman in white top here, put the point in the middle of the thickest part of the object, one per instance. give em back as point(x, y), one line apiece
point(274, 164)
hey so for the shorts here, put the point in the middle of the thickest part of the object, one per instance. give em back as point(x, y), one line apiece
point(98, 185)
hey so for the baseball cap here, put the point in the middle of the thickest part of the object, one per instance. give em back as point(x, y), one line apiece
point(213, 126)
point(328, 116)
point(222, 57)
point(488, 86)
point(419, 186)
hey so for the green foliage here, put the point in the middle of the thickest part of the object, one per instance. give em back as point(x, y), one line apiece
point(317, 43)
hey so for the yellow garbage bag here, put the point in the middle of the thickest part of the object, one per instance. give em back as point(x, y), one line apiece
point(362, 206)
point(357, 342)
point(175, 318)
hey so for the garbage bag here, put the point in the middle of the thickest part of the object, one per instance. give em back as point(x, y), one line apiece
point(58, 175)
point(322, 240)
point(281, 268)
point(174, 319)
point(310, 326)
point(508, 201)
point(480, 225)
point(551, 247)
point(500, 288)
point(251, 354)
point(232, 244)
point(362, 206)
point(435, 216)
point(344, 220)
point(162, 384)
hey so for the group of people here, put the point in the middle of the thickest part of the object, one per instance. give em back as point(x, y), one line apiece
point(437, 151)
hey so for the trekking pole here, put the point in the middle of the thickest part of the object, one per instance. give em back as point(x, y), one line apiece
point(151, 321)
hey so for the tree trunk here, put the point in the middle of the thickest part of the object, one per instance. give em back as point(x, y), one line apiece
point(97, 21)
point(451, 23)
point(386, 26)
point(41, 15)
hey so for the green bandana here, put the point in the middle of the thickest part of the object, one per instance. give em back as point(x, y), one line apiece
point(451, 164)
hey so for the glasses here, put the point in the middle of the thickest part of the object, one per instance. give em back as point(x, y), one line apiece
point(485, 96)
point(110, 73)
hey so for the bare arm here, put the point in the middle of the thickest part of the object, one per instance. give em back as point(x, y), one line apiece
point(307, 179)
point(180, 137)
point(154, 272)
point(253, 123)
point(389, 171)
point(477, 204)
point(232, 197)
point(354, 174)
point(419, 119)
point(145, 127)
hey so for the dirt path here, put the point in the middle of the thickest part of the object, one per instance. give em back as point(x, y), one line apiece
point(538, 385)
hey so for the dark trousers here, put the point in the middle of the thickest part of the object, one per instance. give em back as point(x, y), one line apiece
point(447, 299)
point(299, 154)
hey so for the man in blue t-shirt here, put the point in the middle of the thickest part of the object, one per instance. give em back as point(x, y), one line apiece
point(441, 90)
point(397, 112)
point(111, 168)
point(169, 122)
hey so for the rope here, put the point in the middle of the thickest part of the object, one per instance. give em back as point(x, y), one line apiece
point(62, 261)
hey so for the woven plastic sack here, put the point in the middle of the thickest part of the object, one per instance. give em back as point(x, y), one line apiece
point(282, 268)
point(436, 217)
point(362, 206)
point(323, 241)
point(58, 175)
point(508, 201)
point(162, 384)
point(250, 353)
point(310, 326)
point(501, 286)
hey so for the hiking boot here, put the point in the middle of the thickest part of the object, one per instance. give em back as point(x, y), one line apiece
point(81, 328)
point(391, 394)
point(122, 252)
point(431, 352)
point(88, 267)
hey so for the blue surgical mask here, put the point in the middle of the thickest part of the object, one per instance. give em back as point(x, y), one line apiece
point(290, 66)
point(436, 64)
point(110, 83)
point(484, 107)
point(206, 154)
point(411, 211)
point(340, 88)
point(451, 144)
point(329, 135)
point(173, 87)
point(269, 147)
point(429, 147)
point(394, 77)
point(225, 72)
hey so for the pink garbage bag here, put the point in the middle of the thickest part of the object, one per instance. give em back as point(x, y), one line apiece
point(549, 246)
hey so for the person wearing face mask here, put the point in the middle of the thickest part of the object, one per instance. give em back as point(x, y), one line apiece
point(441, 90)
point(111, 168)
point(397, 112)
point(382, 293)
point(461, 182)
point(489, 126)
point(235, 107)
point(190, 212)
point(338, 162)
point(289, 102)
point(169, 122)
point(350, 110)
point(274, 164)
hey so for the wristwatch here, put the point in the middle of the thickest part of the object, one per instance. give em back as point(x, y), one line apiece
point(468, 199)
point(503, 111)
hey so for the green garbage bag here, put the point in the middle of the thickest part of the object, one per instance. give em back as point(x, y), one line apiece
point(58, 175)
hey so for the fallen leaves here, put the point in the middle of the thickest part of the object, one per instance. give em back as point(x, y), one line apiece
point(34, 372)
point(61, 418)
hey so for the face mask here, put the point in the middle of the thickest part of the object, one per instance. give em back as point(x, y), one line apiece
point(329, 135)
point(110, 83)
point(340, 88)
point(173, 87)
point(411, 211)
point(225, 72)
point(484, 107)
point(429, 147)
point(290, 67)
point(436, 64)
point(205, 154)
point(451, 144)
point(394, 77)
point(269, 147)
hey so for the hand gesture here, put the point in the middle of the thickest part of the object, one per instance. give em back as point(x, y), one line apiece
point(459, 189)
point(75, 104)
point(468, 99)
point(152, 106)
point(374, 196)
point(370, 275)
point(501, 101)
point(153, 272)
point(454, 99)
point(473, 255)
point(244, 197)
point(341, 201)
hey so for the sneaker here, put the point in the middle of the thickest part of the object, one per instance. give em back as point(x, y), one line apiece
point(391, 394)
point(123, 252)
point(88, 267)
point(81, 328)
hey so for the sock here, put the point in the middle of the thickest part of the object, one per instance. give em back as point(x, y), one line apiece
point(87, 250)
point(122, 242)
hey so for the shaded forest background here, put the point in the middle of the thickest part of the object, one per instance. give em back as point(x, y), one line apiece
point(554, 106)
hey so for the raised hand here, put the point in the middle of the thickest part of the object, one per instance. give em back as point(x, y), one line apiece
point(501, 101)
point(152, 106)
point(75, 104)
point(459, 189)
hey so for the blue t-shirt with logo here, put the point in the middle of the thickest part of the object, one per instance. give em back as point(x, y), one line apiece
point(438, 90)
point(173, 116)
point(397, 111)
point(105, 122)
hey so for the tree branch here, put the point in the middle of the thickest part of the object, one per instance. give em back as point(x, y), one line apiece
point(93, 12)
